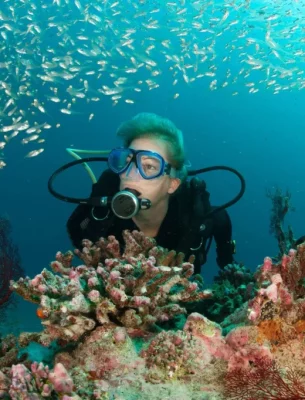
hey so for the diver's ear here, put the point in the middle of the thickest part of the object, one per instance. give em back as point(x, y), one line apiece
point(174, 184)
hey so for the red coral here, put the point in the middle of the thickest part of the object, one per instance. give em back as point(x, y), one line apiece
point(264, 381)
point(10, 266)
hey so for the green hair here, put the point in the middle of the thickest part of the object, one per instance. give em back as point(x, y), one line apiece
point(153, 126)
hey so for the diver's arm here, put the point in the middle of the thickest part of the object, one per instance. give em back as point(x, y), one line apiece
point(222, 233)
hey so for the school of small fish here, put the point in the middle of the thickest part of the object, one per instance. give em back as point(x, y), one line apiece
point(56, 55)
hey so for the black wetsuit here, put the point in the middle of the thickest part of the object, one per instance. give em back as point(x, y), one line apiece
point(181, 229)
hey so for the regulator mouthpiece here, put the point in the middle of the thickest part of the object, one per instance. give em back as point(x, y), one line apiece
point(126, 203)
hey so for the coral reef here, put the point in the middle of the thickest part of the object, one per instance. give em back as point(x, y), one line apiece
point(8, 351)
point(131, 289)
point(10, 264)
point(281, 205)
point(104, 317)
point(265, 382)
point(275, 319)
point(232, 287)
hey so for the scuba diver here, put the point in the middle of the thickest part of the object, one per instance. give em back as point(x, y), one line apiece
point(145, 188)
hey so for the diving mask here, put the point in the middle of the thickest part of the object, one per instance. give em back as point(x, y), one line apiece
point(126, 203)
point(149, 165)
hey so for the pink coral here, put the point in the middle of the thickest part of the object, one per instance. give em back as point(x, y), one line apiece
point(101, 304)
point(61, 380)
point(39, 382)
point(280, 283)
point(134, 289)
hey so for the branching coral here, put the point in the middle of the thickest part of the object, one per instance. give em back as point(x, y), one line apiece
point(135, 289)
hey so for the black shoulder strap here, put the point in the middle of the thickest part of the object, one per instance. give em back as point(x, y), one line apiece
point(107, 184)
point(91, 223)
point(194, 205)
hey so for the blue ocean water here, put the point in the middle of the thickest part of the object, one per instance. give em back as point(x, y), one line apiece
point(262, 136)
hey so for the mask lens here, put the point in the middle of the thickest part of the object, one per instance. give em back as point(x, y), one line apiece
point(118, 160)
point(150, 165)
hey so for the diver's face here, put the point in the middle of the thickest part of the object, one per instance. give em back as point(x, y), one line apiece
point(156, 190)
